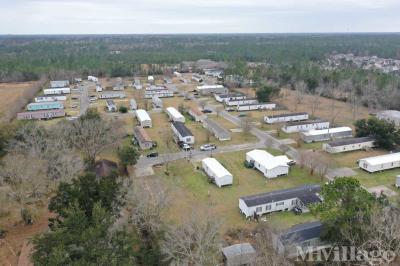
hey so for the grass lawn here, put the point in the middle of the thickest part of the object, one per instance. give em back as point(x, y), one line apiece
point(191, 190)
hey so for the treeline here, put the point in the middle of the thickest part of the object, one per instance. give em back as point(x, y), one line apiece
point(27, 57)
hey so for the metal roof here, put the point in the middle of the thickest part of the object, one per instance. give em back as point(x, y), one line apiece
point(387, 158)
point(287, 115)
point(315, 132)
point(308, 122)
point(279, 195)
point(182, 129)
point(216, 167)
point(174, 113)
point(350, 141)
point(302, 232)
point(218, 130)
point(238, 249)
point(267, 160)
point(142, 115)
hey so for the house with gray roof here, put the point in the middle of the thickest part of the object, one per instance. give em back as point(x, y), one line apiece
point(217, 130)
point(239, 254)
point(351, 144)
point(182, 133)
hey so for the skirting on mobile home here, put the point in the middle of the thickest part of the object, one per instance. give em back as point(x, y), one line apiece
point(303, 126)
point(380, 163)
point(352, 144)
point(326, 134)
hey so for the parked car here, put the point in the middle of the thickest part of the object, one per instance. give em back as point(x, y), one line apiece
point(152, 155)
point(297, 210)
point(206, 111)
point(186, 147)
point(208, 147)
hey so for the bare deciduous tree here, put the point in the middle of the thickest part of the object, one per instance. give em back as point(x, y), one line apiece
point(316, 100)
point(246, 124)
point(300, 87)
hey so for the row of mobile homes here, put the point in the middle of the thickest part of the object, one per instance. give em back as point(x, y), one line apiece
point(143, 118)
point(351, 144)
point(326, 134)
point(174, 115)
point(223, 98)
point(380, 163)
point(112, 95)
point(43, 114)
point(217, 130)
point(156, 102)
point(133, 104)
point(212, 89)
point(93, 79)
point(271, 119)
point(305, 235)
point(392, 116)
point(182, 133)
point(142, 138)
point(56, 91)
point(44, 106)
point(239, 255)
point(59, 83)
point(255, 106)
point(280, 200)
point(111, 107)
point(271, 166)
point(196, 114)
point(197, 78)
point(216, 172)
point(303, 126)
point(159, 94)
point(50, 99)
point(99, 88)
point(246, 101)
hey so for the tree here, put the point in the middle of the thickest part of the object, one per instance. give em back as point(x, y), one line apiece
point(195, 242)
point(384, 133)
point(128, 155)
point(266, 93)
point(344, 201)
point(246, 124)
point(123, 109)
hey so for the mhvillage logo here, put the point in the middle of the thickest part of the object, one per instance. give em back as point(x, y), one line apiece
point(344, 254)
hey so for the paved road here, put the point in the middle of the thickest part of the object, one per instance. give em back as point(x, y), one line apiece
point(84, 98)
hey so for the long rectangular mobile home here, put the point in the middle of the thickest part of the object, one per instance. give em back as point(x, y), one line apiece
point(216, 172)
point(219, 132)
point(182, 133)
point(156, 102)
point(271, 166)
point(111, 107)
point(380, 163)
point(50, 99)
point(271, 119)
point(303, 126)
point(44, 106)
point(326, 134)
point(143, 118)
point(280, 200)
point(196, 114)
point(229, 97)
point(43, 114)
point(133, 104)
point(351, 144)
point(112, 95)
point(142, 138)
point(255, 106)
point(174, 115)
point(212, 89)
point(56, 91)
point(59, 83)
point(159, 94)
point(246, 101)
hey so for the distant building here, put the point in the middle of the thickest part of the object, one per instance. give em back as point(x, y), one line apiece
point(59, 83)
point(229, 97)
point(243, 102)
point(351, 144)
point(271, 119)
point(197, 115)
point(255, 106)
point(50, 99)
point(111, 107)
point(271, 166)
point(112, 95)
point(44, 106)
point(150, 79)
point(42, 114)
point(143, 139)
point(56, 91)
point(174, 115)
point(197, 78)
point(392, 116)
point(212, 89)
point(156, 102)
point(143, 118)
point(93, 79)
point(133, 104)
point(239, 255)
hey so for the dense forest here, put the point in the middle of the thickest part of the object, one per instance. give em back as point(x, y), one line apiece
point(27, 57)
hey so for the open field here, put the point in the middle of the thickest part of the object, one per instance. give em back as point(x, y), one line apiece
point(187, 182)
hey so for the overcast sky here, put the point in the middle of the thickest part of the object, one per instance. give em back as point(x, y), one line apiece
point(197, 16)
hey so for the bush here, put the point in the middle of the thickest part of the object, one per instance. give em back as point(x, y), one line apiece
point(123, 109)
point(26, 216)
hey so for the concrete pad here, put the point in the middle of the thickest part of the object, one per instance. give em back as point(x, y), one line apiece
point(340, 172)
point(144, 171)
point(378, 190)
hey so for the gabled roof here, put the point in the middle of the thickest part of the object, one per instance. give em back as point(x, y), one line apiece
point(302, 232)
point(267, 160)
point(350, 141)
point(182, 129)
point(305, 192)
point(238, 249)
point(387, 158)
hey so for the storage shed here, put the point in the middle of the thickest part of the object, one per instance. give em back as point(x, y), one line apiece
point(143, 118)
point(182, 133)
point(44, 106)
point(56, 91)
point(303, 126)
point(43, 114)
point(271, 166)
point(326, 134)
point(280, 200)
point(111, 107)
point(271, 119)
point(218, 131)
point(239, 255)
point(197, 115)
point(174, 115)
point(133, 104)
point(216, 172)
point(351, 144)
point(380, 163)
point(142, 138)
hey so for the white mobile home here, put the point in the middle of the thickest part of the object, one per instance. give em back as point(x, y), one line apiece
point(326, 134)
point(216, 172)
point(56, 91)
point(197, 77)
point(174, 115)
point(285, 118)
point(229, 97)
point(280, 200)
point(41, 114)
point(255, 106)
point(271, 166)
point(143, 118)
point(112, 95)
point(246, 101)
point(210, 89)
point(380, 163)
point(197, 115)
point(111, 107)
point(303, 126)
point(216, 129)
point(59, 83)
point(99, 88)
point(182, 133)
point(133, 104)
point(50, 99)
point(93, 79)
point(137, 85)
point(351, 144)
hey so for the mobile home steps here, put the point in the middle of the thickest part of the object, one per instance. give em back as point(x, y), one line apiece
point(285, 118)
